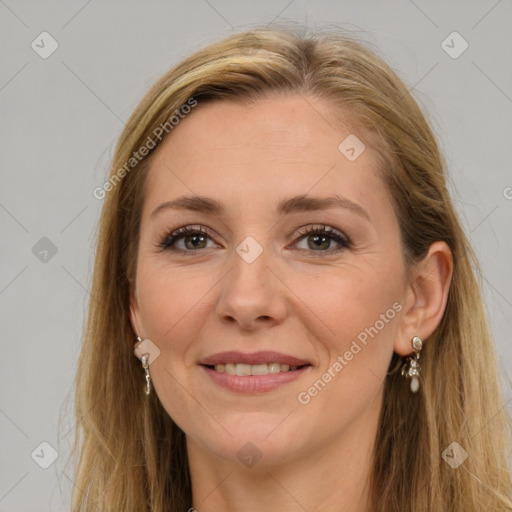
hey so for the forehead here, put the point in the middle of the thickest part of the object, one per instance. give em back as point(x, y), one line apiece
point(247, 155)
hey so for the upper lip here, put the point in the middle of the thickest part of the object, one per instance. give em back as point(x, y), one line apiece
point(234, 356)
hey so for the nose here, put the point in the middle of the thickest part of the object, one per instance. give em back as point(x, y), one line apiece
point(252, 295)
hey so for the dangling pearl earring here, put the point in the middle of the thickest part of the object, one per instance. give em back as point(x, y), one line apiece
point(411, 367)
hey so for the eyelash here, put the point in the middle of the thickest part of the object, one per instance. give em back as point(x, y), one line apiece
point(345, 243)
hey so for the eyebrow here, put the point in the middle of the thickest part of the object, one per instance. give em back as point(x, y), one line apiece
point(295, 204)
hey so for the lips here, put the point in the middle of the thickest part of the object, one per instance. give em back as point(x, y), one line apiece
point(257, 372)
point(255, 358)
point(249, 384)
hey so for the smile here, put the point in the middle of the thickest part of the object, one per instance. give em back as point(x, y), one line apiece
point(254, 369)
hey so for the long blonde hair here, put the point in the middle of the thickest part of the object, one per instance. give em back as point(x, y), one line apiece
point(129, 453)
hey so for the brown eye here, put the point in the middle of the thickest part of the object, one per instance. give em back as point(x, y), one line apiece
point(319, 239)
point(193, 239)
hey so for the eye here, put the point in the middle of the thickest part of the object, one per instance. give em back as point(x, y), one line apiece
point(319, 238)
point(193, 238)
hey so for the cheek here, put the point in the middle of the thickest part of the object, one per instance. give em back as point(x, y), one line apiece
point(168, 298)
point(362, 317)
point(353, 316)
point(347, 302)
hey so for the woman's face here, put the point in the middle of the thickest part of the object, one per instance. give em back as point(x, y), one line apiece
point(256, 281)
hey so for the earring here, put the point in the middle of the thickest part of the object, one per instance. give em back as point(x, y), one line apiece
point(145, 365)
point(411, 367)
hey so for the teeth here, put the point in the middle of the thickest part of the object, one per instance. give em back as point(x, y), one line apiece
point(254, 369)
point(243, 369)
point(257, 369)
point(276, 368)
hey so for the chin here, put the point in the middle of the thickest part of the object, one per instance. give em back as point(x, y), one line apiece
point(258, 439)
point(255, 454)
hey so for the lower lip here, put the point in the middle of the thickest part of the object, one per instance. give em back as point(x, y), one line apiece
point(253, 383)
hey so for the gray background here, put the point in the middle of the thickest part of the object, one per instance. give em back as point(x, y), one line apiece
point(60, 119)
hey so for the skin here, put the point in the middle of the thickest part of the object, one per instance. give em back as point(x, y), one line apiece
point(294, 298)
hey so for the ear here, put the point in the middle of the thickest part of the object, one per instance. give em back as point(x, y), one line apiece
point(425, 297)
point(135, 314)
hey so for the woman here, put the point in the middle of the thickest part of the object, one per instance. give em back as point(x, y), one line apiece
point(279, 250)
